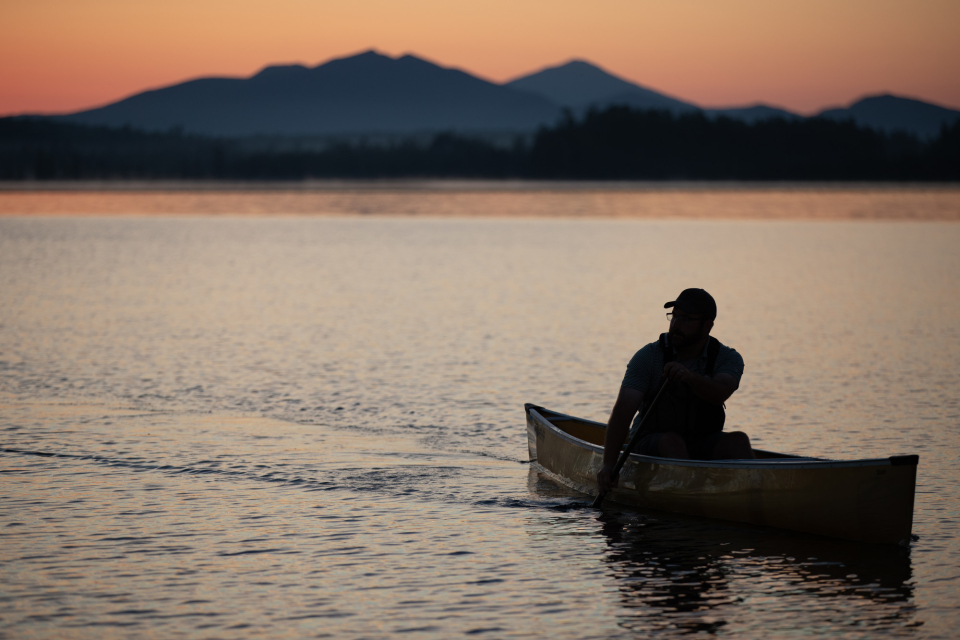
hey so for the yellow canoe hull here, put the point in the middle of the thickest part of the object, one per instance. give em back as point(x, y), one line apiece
point(863, 500)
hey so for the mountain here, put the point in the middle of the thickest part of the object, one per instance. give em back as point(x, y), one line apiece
point(891, 113)
point(753, 114)
point(365, 93)
point(579, 85)
point(371, 93)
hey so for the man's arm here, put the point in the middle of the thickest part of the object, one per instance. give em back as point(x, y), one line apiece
point(626, 407)
point(714, 390)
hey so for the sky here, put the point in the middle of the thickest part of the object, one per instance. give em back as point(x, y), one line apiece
point(67, 55)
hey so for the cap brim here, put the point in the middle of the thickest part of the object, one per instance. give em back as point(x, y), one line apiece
point(684, 306)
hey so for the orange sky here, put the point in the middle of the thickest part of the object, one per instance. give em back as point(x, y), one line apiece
point(64, 55)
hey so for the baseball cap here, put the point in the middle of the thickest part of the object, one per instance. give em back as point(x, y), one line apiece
point(695, 301)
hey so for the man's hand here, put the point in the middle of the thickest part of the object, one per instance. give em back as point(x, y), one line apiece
point(715, 390)
point(677, 372)
point(605, 480)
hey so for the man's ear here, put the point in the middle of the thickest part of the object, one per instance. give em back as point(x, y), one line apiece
point(708, 325)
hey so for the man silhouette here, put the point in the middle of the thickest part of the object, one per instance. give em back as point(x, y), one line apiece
point(687, 420)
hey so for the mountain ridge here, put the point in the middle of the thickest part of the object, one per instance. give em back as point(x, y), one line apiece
point(579, 84)
point(890, 113)
point(365, 93)
point(372, 93)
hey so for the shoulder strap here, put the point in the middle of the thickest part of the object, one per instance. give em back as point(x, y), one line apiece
point(713, 350)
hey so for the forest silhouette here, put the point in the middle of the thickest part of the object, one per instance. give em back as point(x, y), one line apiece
point(619, 143)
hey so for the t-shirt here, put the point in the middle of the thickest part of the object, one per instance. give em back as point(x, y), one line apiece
point(646, 367)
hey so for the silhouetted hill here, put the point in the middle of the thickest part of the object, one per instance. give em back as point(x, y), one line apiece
point(579, 85)
point(372, 94)
point(752, 114)
point(366, 93)
point(891, 114)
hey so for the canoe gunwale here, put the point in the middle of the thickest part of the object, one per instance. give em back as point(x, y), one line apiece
point(793, 462)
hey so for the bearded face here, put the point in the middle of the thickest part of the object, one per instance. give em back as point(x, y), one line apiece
point(687, 329)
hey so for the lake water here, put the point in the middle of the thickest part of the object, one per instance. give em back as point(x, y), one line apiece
point(279, 424)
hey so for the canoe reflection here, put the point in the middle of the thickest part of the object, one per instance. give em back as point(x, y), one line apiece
point(680, 567)
point(682, 574)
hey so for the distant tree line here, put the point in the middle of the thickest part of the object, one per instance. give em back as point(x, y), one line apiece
point(619, 143)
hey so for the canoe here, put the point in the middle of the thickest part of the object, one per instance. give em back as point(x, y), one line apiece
point(865, 500)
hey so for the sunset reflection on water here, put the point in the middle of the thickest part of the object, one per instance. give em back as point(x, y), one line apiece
point(248, 426)
point(716, 201)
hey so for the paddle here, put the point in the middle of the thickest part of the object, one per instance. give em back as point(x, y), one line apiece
point(631, 444)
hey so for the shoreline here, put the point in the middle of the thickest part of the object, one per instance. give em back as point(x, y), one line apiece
point(465, 185)
point(496, 200)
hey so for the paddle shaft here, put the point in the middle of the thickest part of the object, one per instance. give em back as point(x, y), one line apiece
point(631, 444)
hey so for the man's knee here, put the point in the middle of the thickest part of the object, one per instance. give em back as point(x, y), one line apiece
point(733, 445)
point(739, 439)
point(671, 445)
